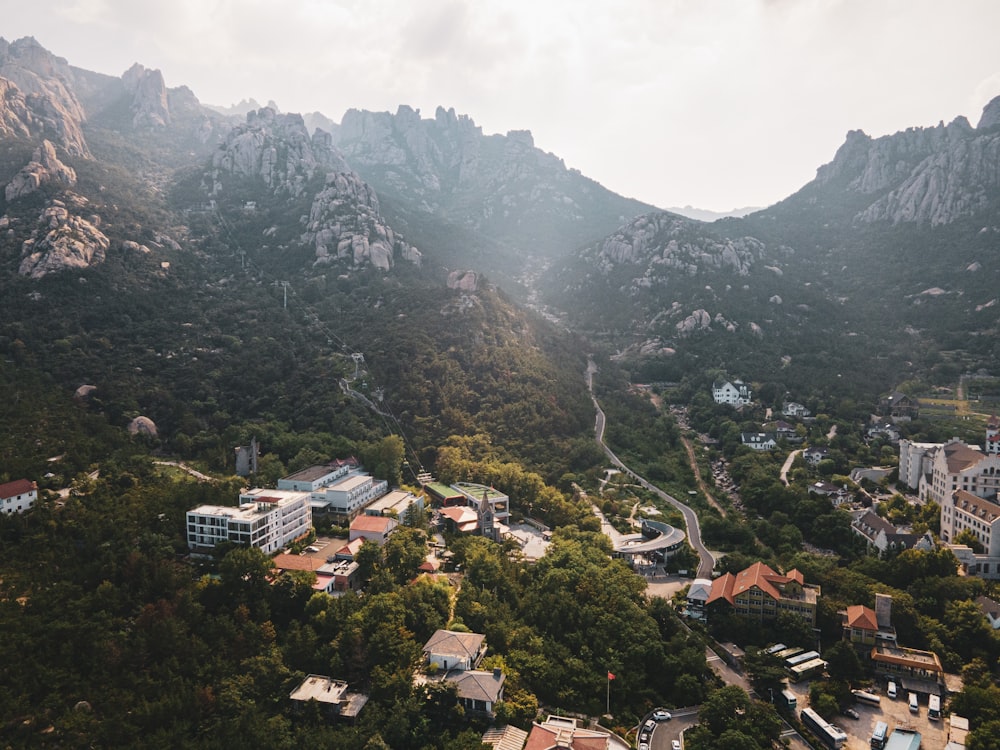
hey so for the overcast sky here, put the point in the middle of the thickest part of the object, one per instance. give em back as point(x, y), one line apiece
point(713, 103)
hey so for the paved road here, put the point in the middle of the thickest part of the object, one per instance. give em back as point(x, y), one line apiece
point(706, 561)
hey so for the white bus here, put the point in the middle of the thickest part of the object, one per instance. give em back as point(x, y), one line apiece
point(864, 697)
point(934, 707)
point(831, 736)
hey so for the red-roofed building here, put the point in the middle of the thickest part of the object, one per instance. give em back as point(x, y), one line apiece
point(760, 593)
point(557, 732)
point(17, 496)
point(860, 625)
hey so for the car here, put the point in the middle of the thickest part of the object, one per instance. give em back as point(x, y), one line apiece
point(891, 689)
point(675, 745)
point(851, 713)
point(643, 746)
point(644, 735)
point(661, 715)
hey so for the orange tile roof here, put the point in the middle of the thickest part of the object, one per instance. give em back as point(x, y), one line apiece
point(373, 523)
point(861, 617)
point(758, 575)
point(297, 562)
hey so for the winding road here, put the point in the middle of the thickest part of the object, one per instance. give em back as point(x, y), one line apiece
point(705, 560)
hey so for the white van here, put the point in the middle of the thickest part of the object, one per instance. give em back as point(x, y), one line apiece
point(891, 690)
point(914, 706)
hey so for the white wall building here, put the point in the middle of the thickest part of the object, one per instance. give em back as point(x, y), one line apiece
point(17, 496)
point(476, 493)
point(315, 477)
point(965, 511)
point(957, 466)
point(736, 393)
point(266, 519)
point(914, 461)
point(346, 497)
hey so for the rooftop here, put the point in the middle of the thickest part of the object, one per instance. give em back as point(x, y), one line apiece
point(17, 487)
point(890, 653)
point(454, 643)
point(310, 474)
point(380, 524)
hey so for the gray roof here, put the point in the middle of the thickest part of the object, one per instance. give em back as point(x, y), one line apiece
point(478, 685)
point(452, 643)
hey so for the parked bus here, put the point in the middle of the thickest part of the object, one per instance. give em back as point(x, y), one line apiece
point(805, 656)
point(880, 735)
point(831, 736)
point(788, 700)
point(934, 707)
point(775, 649)
point(869, 698)
point(790, 651)
point(807, 669)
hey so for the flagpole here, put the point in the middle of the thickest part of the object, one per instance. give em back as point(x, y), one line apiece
point(609, 694)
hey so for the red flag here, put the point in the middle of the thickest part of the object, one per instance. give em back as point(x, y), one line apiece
point(610, 676)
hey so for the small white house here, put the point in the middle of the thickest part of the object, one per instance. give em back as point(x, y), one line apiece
point(759, 441)
point(17, 496)
point(735, 393)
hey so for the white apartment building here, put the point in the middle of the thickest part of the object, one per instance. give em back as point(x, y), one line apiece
point(346, 497)
point(965, 511)
point(17, 496)
point(957, 466)
point(315, 477)
point(736, 393)
point(266, 519)
point(914, 461)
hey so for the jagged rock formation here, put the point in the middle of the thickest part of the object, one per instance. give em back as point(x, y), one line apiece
point(668, 245)
point(467, 281)
point(500, 185)
point(63, 240)
point(16, 119)
point(143, 426)
point(44, 168)
point(47, 84)
point(345, 223)
point(926, 175)
point(278, 150)
point(150, 108)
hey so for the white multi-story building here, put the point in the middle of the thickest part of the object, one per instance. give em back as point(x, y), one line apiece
point(17, 496)
point(736, 393)
point(266, 519)
point(966, 511)
point(346, 497)
point(316, 477)
point(914, 461)
point(957, 466)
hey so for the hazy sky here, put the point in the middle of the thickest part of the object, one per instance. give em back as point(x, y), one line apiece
point(713, 103)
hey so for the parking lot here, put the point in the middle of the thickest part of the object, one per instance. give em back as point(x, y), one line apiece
point(895, 713)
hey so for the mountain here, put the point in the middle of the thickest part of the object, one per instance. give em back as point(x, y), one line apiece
point(217, 274)
point(704, 214)
point(895, 234)
point(502, 188)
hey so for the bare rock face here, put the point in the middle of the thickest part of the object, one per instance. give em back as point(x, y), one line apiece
point(44, 168)
point(699, 320)
point(345, 223)
point(47, 84)
point(16, 119)
point(467, 281)
point(924, 175)
point(62, 240)
point(277, 149)
point(666, 244)
point(142, 426)
point(150, 106)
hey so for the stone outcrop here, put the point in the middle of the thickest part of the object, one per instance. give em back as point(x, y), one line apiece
point(925, 175)
point(345, 224)
point(46, 82)
point(466, 281)
point(150, 107)
point(43, 169)
point(278, 150)
point(667, 244)
point(63, 240)
point(344, 221)
point(143, 426)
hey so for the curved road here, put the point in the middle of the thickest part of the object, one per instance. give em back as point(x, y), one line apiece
point(705, 560)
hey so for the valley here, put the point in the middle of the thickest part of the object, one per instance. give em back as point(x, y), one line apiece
point(198, 306)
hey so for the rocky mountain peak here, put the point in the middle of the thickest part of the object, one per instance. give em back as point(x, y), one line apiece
point(991, 115)
point(934, 175)
point(150, 106)
point(47, 84)
point(277, 149)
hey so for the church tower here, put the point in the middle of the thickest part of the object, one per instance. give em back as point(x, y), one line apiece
point(487, 526)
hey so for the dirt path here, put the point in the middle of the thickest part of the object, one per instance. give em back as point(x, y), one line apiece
point(697, 477)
